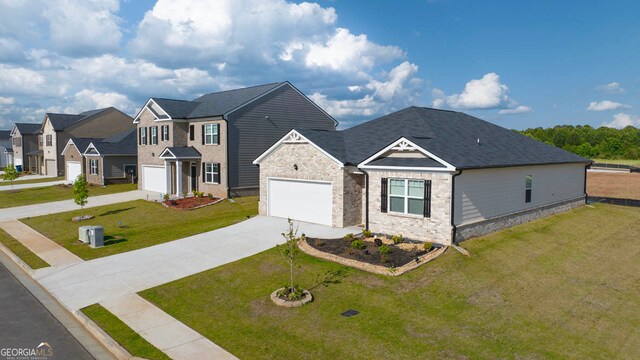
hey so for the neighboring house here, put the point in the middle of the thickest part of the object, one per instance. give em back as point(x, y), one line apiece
point(24, 141)
point(73, 158)
point(431, 175)
point(112, 160)
point(208, 144)
point(6, 151)
point(57, 129)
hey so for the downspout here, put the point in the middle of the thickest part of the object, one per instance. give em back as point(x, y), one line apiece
point(453, 200)
point(586, 196)
point(366, 199)
point(226, 140)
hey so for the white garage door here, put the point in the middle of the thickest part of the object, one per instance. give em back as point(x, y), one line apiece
point(308, 201)
point(74, 168)
point(51, 168)
point(154, 179)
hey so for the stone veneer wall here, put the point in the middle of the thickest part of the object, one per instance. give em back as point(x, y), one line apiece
point(312, 165)
point(436, 229)
point(464, 232)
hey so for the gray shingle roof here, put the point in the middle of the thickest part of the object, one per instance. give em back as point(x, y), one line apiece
point(121, 144)
point(188, 152)
point(28, 128)
point(449, 135)
point(8, 149)
point(62, 121)
point(82, 143)
point(5, 134)
point(408, 162)
point(214, 104)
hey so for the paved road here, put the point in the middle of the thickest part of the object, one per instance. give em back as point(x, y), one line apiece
point(26, 323)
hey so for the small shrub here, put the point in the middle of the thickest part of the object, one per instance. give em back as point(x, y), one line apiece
point(384, 250)
point(319, 243)
point(427, 246)
point(367, 233)
point(165, 197)
point(397, 239)
point(357, 244)
point(377, 242)
point(291, 294)
point(349, 237)
point(210, 196)
point(384, 258)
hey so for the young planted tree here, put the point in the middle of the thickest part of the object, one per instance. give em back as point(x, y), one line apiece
point(10, 174)
point(289, 251)
point(81, 192)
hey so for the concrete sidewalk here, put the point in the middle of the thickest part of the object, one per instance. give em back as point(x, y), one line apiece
point(113, 281)
point(47, 250)
point(32, 185)
point(20, 212)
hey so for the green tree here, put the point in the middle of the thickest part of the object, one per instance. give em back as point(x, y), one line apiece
point(289, 251)
point(10, 174)
point(81, 192)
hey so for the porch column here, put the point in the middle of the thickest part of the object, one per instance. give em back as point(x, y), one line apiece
point(179, 178)
point(167, 173)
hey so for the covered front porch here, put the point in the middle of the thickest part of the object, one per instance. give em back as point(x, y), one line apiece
point(182, 170)
point(35, 162)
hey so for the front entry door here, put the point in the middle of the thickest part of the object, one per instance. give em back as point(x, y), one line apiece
point(194, 177)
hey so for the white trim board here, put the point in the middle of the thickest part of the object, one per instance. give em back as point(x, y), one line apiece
point(407, 145)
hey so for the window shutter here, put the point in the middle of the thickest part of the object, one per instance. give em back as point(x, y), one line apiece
point(216, 175)
point(192, 135)
point(217, 137)
point(202, 134)
point(204, 175)
point(427, 198)
point(156, 137)
point(383, 195)
point(162, 132)
point(167, 137)
point(146, 135)
point(140, 136)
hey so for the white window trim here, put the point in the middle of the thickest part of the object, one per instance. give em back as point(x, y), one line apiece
point(154, 136)
point(93, 166)
point(211, 134)
point(406, 197)
point(529, 188)
point(165, 132)
point(212, 173)
point(143, 136)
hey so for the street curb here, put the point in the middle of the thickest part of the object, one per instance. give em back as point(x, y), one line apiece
point(100, 335)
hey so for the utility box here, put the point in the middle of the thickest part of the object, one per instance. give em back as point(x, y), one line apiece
point(83, 234)
point(96, 236)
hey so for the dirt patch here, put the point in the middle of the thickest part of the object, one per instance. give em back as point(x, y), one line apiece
point(190, 203)
point(400, 254)
point(616, 185)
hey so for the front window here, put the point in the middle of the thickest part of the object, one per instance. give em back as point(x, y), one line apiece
point(212, 173)
point(40, 140)
point(17, 141)
point(211, 134)
point(154, 135)
point(528, 183)
point(143, 136)
point(94, 167)
point(165, 132)
point(406, 196)
point(49, 140)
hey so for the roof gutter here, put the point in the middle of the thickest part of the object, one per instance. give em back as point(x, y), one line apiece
point(366, 198)
point(453, 196)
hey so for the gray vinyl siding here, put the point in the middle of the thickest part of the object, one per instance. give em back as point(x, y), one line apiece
point(486, 193)
point(114, 165)
point(4, 144)
point(251, 133)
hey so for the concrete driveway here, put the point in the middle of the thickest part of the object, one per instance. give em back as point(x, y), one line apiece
point(85, 283)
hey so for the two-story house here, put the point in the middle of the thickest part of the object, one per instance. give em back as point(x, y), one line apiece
point(57, 129)
point(24, 141)
point(208, 144)
point(6, 151)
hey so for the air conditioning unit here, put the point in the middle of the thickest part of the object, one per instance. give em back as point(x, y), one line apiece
point(83, 234)
point(96, 236)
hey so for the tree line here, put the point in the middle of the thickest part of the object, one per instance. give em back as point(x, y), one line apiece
point(584, 140)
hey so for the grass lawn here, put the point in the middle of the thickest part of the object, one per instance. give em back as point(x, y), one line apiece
point(31, 181)
point(13, 198)
point(564, 287)
point(622, 185)
point(121, 333)
point(618, 161)
point(21, 251)
point(145, 223)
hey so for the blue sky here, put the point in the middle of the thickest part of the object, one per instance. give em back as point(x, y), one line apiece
point(517, 64)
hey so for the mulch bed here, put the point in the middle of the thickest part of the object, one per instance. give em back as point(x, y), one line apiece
point(190, 203)
point(401, 254)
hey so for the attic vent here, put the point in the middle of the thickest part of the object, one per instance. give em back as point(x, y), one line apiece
point(421, 137)
point(478, 141)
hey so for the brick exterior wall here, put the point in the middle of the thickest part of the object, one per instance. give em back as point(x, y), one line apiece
point(211, 153)
point(72, 153)
point(436, 229)
point(93, 179)
point(314, 165)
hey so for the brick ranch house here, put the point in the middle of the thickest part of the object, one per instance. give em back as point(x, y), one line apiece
point(208, 144)
point(431, 175)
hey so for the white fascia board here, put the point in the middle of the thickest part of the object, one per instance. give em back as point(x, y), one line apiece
point(448, 167)
point(91, 146)
point(150, 101)
point(404, 168)
point(67, 145)
point(302, 140)
point(162, 154)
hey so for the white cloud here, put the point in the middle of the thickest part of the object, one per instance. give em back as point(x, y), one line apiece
point(521, 109)
point(19, 80)
point(605, 105)
point(7, 100)
point(485, 93)
point(622, 120)
point(88, 99)
point(612, 88)
point(345, 52)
